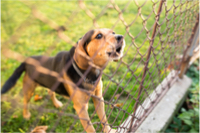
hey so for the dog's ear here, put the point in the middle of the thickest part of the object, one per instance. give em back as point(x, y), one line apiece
point(78, 41)
point(81, 50)
point(85, 40)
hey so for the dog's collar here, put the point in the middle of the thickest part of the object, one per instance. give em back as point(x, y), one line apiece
point(79, 72)
point(86, 80)
point(92, 77)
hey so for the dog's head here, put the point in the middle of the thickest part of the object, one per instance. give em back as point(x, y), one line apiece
point(101, 45)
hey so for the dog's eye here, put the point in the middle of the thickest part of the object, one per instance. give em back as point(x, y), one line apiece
point(113, 32)
point(99, 36)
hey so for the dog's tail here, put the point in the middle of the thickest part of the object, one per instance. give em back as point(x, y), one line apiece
point(13, 79)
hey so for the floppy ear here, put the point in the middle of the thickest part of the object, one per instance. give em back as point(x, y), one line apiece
point(85, 40)
point(78, 41)
point(81, 51)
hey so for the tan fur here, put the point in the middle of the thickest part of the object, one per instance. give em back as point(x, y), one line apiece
point(28, 89)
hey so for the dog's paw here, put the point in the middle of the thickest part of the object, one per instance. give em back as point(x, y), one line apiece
point(110, 131)
point(58, 104)
point(39, 129)
point(27, 115)
point(113, 131)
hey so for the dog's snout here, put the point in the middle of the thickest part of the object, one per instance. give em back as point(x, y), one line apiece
point(119, 38)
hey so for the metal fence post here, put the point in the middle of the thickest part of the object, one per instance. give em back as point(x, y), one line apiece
point(193, 40)
point(146, 63)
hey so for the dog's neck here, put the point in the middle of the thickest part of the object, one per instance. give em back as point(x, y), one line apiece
point(81, 65)
point(90, 77)
point(81, 61)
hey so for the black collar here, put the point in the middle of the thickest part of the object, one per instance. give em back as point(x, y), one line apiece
point(77, 73)
point(91, 77)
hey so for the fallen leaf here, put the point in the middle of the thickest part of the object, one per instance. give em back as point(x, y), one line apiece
point(37, 97)
point(117, 105)
point(170, 66)
point(15, 116)
point(117, 96)
point(39, 129)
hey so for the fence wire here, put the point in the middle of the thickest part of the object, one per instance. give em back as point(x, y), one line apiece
point(157, 35)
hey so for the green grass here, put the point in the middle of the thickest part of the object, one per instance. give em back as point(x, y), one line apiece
point(36, 38)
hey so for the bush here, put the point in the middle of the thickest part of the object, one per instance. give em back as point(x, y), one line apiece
point(187, 119)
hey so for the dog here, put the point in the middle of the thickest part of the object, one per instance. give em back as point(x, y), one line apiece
point(90, 55)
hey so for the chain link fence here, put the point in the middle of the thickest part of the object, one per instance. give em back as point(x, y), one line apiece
point(158, 36)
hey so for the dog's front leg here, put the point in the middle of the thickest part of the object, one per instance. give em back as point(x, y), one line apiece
point(99, 107)
point(81, 107)
point(82, 112)
point(80, 104)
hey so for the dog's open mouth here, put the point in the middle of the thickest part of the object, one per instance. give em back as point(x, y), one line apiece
point(118, 50)
point(115, 53)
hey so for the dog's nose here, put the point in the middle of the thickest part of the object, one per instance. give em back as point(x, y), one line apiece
point(119, 38)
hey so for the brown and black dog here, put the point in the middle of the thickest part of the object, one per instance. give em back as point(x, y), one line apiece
point(93, 51)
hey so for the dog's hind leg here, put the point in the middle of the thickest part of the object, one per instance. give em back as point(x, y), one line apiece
point(28, 88)
point(55, 101)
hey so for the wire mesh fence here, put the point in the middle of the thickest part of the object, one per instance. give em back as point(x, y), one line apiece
point(158, 35)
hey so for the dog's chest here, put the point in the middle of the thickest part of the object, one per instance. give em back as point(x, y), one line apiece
point(88, 86)
point(85, 82)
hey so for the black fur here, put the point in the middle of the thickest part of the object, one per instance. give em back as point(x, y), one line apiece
point(86, 39)
point(75, 77)
point(57, 64)
point(13, 79)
